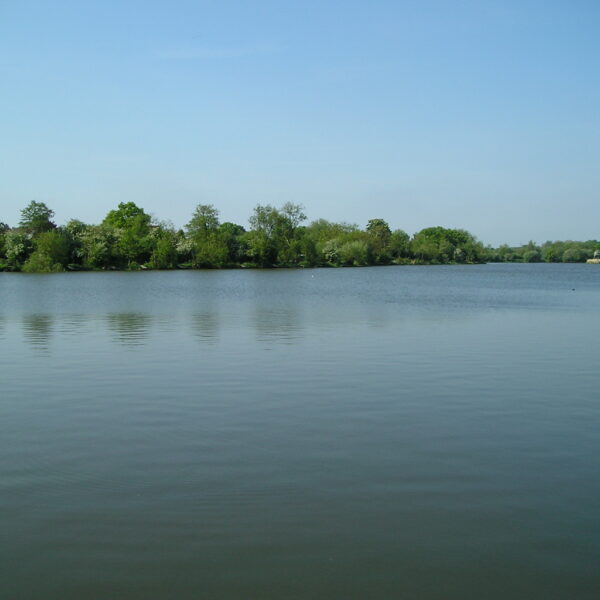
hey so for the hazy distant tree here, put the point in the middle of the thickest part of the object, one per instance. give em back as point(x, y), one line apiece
point(573, 255)
point(552, 252)
point(532, 256)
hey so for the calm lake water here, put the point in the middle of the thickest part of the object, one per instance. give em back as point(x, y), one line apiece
point(396, 432)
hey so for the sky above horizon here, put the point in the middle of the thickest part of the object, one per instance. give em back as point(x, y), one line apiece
point(478, 115)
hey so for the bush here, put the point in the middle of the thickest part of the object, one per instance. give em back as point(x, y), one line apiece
point(532, 256)
point(39, 262)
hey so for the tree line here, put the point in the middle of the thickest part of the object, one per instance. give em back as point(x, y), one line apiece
point(129, 239)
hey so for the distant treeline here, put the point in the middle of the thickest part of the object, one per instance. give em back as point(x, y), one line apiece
point(128, 238)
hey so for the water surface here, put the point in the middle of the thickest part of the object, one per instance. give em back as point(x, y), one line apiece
point(398, 432)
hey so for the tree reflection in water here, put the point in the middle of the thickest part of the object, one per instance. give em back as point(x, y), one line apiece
point(129, 329)
point(205, 326)
point(282, 324)
point(38, 329)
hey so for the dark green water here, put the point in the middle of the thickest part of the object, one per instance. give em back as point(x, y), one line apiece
point(402, 432)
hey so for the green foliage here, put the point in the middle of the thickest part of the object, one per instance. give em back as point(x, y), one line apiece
point(440, 245)
point(51, 254)
point(380, 236)
point(17, 247)
point(40, 263)
point(3, 230)
point(532, 256)
point(126, 214)
point(134, 243)
point(277, 237)
point(330, 250)
point(131, 230)
point(36, 218)
point(97, 243)
point(204, 221)
point(233, 237)
point(560, 251)
point(399, 245)
point(355, 253)
point(274, 238)
point(164, 255)
point(262, 239)
point(574, 255)
point(209, 246)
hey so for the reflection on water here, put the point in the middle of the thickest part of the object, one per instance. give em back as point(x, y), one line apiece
point(73, 324)
point(133, 329)
point(342, 436)
point(281, 324)
point(37, 330)
point(205, 326)
point(164, 323)
point(129, 329)
point(378, 317)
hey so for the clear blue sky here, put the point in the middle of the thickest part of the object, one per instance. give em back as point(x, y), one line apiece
point(483, 115)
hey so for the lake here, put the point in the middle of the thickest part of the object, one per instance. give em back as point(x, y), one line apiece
point(391, 432)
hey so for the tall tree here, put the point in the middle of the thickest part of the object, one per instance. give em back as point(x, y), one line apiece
point(132, 229)
point(125, 215)
point(209, 248)
point(36, 218)
point(51, 254)
point(274, 237)
point(379, 239)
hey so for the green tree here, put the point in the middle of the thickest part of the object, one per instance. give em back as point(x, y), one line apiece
point(289, 234)
point(209, 248)
point(36, 218)
point(164, 255)
point(97, 246)
point(355, 253)
point(262, 239)
point(233, 237)
point(131, 225)
point(532, 256)
point(127, 214)
point(51, 254)
point(134, 242)
point(573, 254)
point(17, 248)
point(380, 236)
point(274, 237)
point(3, 230)
point(399, 245)
point(441, 245)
